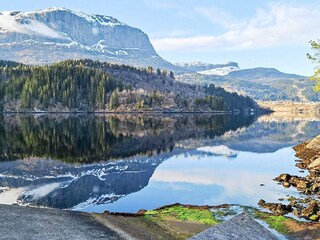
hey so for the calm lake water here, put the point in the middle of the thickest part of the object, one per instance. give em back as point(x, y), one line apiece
point(126, 163)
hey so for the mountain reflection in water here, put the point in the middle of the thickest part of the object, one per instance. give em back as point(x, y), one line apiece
point(124, 163)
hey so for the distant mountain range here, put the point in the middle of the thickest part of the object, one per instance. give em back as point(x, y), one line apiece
point(210, 69)
point(56, 34)
point(262, 84)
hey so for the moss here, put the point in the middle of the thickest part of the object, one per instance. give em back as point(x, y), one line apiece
point(182, 213)
point(314, 217)
point(278, 223)
point(151, 212)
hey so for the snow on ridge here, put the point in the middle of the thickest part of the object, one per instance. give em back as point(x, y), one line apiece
point(219, 71)
point(24, 22)
point(221, 150)
point(103, 199)
point(99, 48)
point(92, 18)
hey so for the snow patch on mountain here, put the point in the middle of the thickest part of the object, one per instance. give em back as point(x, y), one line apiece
point(92, 18)
point(209, 68)
point(224, 71)
point(221, 150)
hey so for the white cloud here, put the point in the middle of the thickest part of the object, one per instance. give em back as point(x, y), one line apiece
point(218, 16)
point(280, 24)
point(180, 8)
point(9, 23)
point(41, 29)
point(42, 191)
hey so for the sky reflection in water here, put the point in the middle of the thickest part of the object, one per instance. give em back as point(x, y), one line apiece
point(201, 179)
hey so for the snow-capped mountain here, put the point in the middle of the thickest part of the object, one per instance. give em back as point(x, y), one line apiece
point(223, 71)
point(210, 69)
point(56, 34)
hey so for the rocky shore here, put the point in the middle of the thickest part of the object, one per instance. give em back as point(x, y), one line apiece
point(308, 205)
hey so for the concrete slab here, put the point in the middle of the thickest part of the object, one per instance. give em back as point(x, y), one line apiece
point(28, 223)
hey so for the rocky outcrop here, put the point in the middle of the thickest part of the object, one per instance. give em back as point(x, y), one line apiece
point(301, 183)
point(277, 208)
point(308, 206)
point(309, 154)
point(57, 34)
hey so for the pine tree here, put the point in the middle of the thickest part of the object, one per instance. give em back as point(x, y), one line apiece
point(114, 100)
point(171, 75)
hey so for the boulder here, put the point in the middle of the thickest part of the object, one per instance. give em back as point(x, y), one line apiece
point(294, 180)
point(315, 188)
point(314, 164)
point(277, 208)
point(302, 185)
point(314, 143)
point(286, 184)
point(312, 209)
point(283, 177)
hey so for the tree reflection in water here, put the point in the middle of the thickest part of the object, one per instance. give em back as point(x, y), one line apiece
point(89, 138)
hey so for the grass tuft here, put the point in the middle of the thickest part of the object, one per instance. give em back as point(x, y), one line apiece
point(204, 216)
point(278, 223)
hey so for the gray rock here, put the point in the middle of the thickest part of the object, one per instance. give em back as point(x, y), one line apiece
point(240, 227)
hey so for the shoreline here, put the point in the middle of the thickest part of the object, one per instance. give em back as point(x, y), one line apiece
point(130, 113)
point(291, 107)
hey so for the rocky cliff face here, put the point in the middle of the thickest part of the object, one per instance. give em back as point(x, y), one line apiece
point(56, 34)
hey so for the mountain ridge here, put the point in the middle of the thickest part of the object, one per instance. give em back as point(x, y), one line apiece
point(260, 83)
point(51, 35)
point(197, 66)
point(261, 72)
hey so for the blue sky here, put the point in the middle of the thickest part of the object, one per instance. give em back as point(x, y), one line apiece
point(253, 33)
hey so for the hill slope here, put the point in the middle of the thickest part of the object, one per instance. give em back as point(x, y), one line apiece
point(262, 84)
point(56, 34)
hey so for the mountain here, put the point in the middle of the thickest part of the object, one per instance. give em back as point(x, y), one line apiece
point(261, 84)
point(210, 69)
point(56, 34)
point(262, 73)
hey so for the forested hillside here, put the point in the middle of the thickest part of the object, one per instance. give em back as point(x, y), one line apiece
point(86, 85)
point(261, 84)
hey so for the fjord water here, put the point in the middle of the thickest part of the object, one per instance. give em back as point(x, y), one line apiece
point(125, 163)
